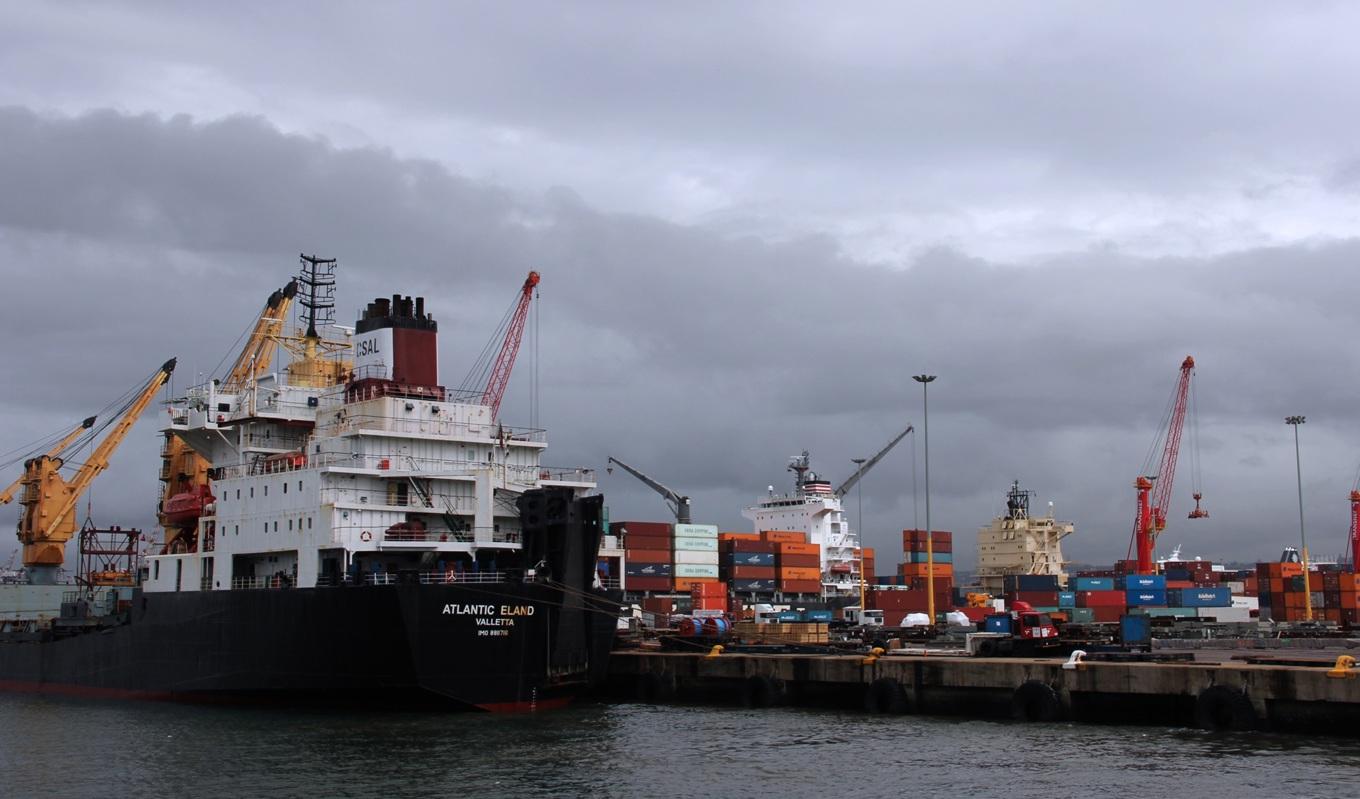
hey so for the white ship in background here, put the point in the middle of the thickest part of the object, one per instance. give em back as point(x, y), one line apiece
point(814, 507)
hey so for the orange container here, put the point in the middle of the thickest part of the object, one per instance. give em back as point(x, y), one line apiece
point(718, 588)
point(923, 569)
point(688, 583)
point(804, 561)
point(799, 549)
point(738, 536)
point(783, 536)
point(799, 573)
point(647, 556)
point(1291, 569)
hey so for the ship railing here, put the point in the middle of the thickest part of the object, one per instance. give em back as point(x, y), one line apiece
point(610, 582)
point(269, 441)
point(276, 581)
point(438, 502)
point(435, 577)
point(340, 421)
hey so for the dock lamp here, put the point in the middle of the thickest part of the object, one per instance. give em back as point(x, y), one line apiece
point(925, 381)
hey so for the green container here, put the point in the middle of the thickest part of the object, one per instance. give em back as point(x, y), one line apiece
point(1082, 615)
point(1179, 613)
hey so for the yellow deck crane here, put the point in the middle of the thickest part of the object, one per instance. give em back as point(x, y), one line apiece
point(184, 471)
point(7, 496)
point(49, 501)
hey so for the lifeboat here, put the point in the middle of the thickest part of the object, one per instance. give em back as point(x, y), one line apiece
point(185, 508)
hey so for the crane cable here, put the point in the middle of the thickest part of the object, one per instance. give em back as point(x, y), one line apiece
point(480, 373)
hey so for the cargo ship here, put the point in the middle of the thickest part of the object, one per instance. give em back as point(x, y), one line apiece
point(340, 532)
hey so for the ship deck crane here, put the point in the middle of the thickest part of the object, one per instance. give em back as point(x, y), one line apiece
point(505, 359)
point(7, 496)
point(1154, 489)
point(678, 503)
point(184, 471)
point(48, 519)
point(869, 464)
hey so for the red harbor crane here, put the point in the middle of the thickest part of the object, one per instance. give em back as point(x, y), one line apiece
point(1154, 489)
point(494, 376)
point(1355, 527)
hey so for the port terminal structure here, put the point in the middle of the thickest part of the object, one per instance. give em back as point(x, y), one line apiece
point(1282, 694)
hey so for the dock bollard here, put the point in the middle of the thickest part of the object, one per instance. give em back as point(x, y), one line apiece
point(1344, 668)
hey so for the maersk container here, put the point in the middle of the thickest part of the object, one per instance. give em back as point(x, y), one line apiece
point(1067, 599)
point(1094, 584)
point(1136, 597)
point(789, 616)
point(1144, 582)
point(696, 545)
point(820, 615)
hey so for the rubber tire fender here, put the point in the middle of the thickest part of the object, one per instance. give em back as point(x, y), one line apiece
point(1221, 708)
point(886, 696)
point(1036, 701)
point(653, 688)
point(760, 691)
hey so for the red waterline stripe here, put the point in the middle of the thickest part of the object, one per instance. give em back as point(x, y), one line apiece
point(526, 707)
point(85, 691)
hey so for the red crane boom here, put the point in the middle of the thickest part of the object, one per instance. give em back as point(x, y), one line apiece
point(505, 360)
point(1154, 491)
point(1355, 529)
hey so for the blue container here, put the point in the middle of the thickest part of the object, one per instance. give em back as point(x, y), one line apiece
point(635, 569)
point(1095, 584)
point(1067, 599)
point(1031, 582)
point(1153, 582)
point(820, 615)
point(1136, 597)
point(789, 616)
point(1178, 575)
point(920, 557)
point(750, 559)
point(1220, 597)
point(1135, 629)
point(754, 586)
point(997, 623)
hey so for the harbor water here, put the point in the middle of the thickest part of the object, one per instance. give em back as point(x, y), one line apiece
point(57, 747)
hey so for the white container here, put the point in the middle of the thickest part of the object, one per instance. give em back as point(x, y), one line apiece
point(698, 558)
point(1224, 614)
point(696, 531)
point(695, 570)
point(696, 545)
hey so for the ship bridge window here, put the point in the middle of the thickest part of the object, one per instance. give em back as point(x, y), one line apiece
point(309, 522)
point(290, 525)
point(252, 492)
point(299, 485)
point(285, 488)
point(266, 491)
point(276, 525)
point(238, 493)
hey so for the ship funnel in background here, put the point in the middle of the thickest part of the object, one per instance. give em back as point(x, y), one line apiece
point(396, 340)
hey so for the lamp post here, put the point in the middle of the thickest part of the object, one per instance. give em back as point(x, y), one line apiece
point(925, 381)
point(859, 522)
point(1295, 421)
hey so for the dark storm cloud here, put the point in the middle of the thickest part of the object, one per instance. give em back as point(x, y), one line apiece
point(703, 359)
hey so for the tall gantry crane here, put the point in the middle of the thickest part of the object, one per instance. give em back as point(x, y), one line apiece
point(184, 471)
point(48, 519)
point(678, 503)
point(1154, 489)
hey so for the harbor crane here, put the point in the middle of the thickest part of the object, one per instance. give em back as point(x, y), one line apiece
point(678, 504)
point(505, 361)
point(869, 464)
point(7, 496)
point(49, 501)
point(1154, 489)
point(1355, 526)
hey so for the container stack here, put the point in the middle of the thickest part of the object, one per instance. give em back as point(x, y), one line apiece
point(747, 563)
point(915, 559)
point(708, 598)
point(867, 565)
point(799, 563)
point(696, 555)
point(648, 554)
point(1335, 593)
point(1040, 591)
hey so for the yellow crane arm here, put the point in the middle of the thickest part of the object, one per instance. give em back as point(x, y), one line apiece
point(7, 496)
point(99, 459)
point(258, 352)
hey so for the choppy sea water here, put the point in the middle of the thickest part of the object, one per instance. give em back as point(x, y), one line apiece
point(80, 748)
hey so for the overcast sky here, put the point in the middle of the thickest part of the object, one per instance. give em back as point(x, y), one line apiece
point(754, 223)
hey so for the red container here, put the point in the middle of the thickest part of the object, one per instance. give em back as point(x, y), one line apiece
point(800, 586)
point(1038, 599)
point(647, 542)
point(1101, 599)
point(647, 583)
point(800, 561)
point(661, 529)
point(1103, 615)
point(709, 589)
point(753, 572)
point(647, 555)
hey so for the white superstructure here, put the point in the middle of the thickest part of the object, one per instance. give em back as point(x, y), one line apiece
point(1018, 543)
point(814, 508)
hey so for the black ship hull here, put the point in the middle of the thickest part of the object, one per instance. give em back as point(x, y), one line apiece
point(489, 646)
point(520, 644)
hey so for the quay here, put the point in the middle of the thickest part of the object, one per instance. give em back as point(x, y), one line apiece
point(1290, 694)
